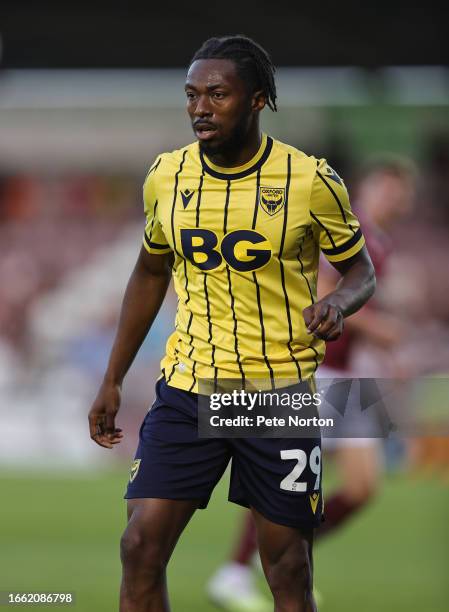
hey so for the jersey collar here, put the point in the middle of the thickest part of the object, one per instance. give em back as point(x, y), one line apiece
point(239, 171)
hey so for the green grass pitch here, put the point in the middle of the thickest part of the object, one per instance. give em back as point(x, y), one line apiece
point(60, 532)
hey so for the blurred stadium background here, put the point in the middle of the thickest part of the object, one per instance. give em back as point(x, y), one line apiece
point(87, 99)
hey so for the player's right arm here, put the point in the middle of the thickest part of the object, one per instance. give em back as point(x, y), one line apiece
point(144, 295)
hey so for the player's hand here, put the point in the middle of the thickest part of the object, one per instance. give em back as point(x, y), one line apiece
point(324, 320)
point(102, 416)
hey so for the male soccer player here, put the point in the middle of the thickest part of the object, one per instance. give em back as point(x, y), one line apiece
point(238, 219)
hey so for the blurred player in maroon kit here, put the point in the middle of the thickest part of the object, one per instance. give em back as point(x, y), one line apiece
point(384, 196)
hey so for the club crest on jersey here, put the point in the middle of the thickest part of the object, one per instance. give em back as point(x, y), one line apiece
point(271, 199)
point(134, 469)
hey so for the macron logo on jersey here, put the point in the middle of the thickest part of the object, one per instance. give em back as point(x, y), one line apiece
point(186, 197)
point(330, 173)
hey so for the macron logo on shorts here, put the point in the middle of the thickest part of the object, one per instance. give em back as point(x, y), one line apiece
point(134, 469)
point(314, 501)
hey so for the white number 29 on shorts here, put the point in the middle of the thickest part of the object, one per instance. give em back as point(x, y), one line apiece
point(290, 482)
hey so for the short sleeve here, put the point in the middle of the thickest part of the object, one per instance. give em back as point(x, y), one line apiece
point(154, 239)
point(335, 226)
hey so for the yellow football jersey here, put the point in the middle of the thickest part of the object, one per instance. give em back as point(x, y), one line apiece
point(246, 245)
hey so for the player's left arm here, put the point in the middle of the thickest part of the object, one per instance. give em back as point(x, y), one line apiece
point(325, 318)
point(337, 230)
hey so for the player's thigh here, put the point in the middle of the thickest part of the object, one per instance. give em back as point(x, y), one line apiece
point(280, 478)
point(171, 461)
point(156, 524)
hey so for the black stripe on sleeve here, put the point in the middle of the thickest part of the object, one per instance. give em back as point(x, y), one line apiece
point(152, 220)
point(155, 245)
point(153, 168)
point(281, 265)
point(346, 246)
point(315, 218)
point(334, 194)
point(151, 243)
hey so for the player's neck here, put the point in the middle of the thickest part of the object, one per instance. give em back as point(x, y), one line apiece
point(241, 153)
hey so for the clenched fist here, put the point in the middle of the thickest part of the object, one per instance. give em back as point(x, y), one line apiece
point(324, 320)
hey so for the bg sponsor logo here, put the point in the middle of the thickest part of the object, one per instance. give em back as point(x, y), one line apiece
point(243, 250)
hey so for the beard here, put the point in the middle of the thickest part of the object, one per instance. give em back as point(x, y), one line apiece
point(231, 144)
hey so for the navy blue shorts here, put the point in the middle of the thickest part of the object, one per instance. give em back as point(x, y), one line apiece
point(280, 478)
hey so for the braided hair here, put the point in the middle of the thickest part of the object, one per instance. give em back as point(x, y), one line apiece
point(253, 63)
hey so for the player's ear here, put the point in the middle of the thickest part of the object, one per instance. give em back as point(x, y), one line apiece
point(259, 100)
